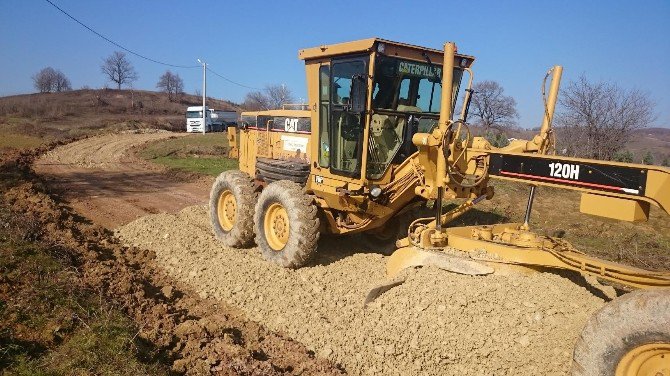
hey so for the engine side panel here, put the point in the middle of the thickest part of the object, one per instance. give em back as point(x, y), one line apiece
point(274, 135)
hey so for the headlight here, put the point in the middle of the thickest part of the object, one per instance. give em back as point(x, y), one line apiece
point(375, 191)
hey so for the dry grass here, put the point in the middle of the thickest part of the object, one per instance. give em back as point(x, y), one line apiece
point(645, 245)
point(30, 120)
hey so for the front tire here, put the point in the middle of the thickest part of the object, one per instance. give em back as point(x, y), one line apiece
point(629, 336)
point(286, 224)
point(231, 208)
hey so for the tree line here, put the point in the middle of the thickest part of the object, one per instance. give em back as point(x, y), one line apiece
point(117, 69)
point(594, 119)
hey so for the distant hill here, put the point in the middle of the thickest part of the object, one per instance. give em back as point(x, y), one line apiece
point(44, 114)
point(104, 101)
point(655, 140)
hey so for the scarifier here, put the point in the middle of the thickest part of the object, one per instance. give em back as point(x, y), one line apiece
point(379, 139)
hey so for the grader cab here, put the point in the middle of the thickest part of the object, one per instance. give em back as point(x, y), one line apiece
point(381, 137)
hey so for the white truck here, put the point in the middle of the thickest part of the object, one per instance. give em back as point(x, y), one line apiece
point(214, 120)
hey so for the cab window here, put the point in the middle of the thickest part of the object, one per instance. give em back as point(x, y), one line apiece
point(346, 126)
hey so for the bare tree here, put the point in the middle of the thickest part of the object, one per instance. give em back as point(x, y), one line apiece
point(50, 80)
point(279, 95)
point(597, 119)
point(43, 80)
point(61, 83)
point(118, 69)
point(492, 108)
point(171, 84)
point(272, 97)
point(256, 101)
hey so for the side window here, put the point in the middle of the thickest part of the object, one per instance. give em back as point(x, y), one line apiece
point(324, 130)
point(403, 96)
point(346, 127)
point(429, 96)
point(341, 85)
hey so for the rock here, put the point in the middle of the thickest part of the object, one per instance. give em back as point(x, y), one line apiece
point(167, 291)
point(326, 352)
point(524, 341)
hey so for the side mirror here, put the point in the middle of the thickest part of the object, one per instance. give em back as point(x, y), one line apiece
point(358, 91)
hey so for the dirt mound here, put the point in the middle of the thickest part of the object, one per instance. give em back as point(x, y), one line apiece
point(436, 323)
point(193, 335)
point(103, 180)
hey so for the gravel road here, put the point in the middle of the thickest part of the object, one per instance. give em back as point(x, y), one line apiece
point(103, 180)
point(437, 323)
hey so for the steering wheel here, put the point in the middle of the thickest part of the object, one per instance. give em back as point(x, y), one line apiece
point(350, 131)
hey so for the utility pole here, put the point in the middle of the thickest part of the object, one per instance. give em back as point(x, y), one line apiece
point(204, 95)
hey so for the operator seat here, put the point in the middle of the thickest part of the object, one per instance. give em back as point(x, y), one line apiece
point(407, 148)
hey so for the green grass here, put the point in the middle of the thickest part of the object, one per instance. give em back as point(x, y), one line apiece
point(202, 154)
point(9, 140)
point(207, 166)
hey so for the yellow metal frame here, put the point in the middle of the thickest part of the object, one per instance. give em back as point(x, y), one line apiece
point(449, 164)
point(537, 250)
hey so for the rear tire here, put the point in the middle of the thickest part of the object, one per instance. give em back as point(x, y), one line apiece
point(231, 208)
point(286, 224)
point(634, 328)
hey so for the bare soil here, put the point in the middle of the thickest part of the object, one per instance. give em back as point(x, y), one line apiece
point(105, 182)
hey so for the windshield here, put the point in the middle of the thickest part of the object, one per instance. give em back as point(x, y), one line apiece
point(194, 114)
point(405, 100)
point(410, 86)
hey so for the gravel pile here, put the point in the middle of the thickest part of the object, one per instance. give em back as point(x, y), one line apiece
point(436, 323)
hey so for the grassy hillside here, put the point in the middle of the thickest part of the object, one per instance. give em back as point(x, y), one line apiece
point(654, 140)
point(203, 154)
point(33, 119)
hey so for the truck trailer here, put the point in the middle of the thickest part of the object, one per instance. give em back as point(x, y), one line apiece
point(215, 120)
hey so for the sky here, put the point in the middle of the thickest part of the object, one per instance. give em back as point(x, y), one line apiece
point(256, 43)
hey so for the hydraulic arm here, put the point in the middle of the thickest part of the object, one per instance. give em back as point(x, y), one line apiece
point(460, 167)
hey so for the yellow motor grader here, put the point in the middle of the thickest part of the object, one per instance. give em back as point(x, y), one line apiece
point(379, 137)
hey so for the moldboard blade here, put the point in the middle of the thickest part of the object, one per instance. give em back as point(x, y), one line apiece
point(412, 257)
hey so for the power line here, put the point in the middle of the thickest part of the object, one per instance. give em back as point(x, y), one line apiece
point(231, 81)
point(118, 45)
point(140, 55)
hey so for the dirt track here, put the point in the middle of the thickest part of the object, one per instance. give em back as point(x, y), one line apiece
point(102, 179)
point(436, 323)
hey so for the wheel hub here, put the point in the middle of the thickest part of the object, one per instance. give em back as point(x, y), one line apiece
point(647, 360)
point(276, 226)
point(226, 210)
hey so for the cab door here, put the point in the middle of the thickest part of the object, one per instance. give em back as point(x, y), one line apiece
point(346, 121)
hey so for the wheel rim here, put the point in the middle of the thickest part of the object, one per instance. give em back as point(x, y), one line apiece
point(647, 360)
point(276, 226)
point(226, 210)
